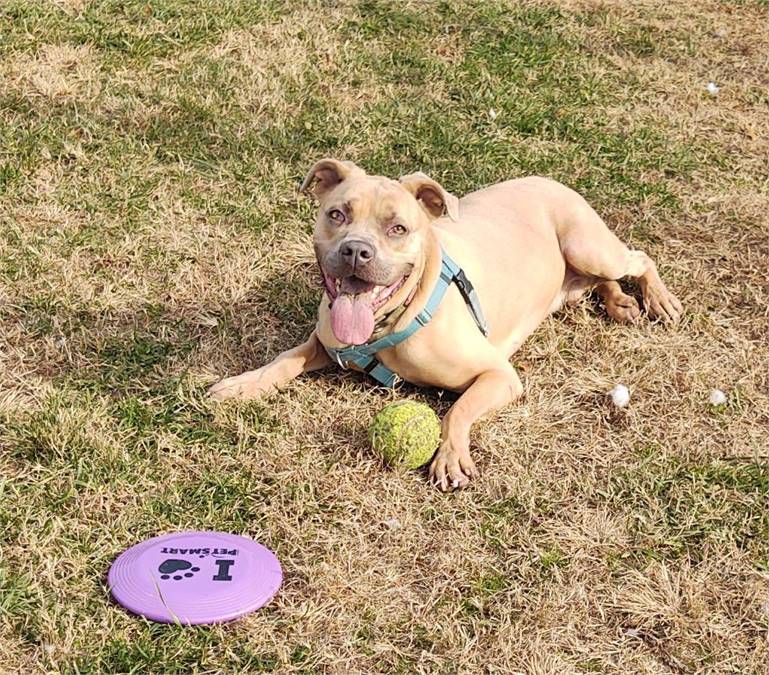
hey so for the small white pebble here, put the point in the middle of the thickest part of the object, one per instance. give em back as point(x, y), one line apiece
point(717, 397)
point(49, 649)
point(211, 321)
point(492, 113)
point(712, 88)
point(720, 32)
point(392, 523)
point(620, 395)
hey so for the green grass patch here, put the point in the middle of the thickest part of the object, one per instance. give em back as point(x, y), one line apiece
point(683, 508)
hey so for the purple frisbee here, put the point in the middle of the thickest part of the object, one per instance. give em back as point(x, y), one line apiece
point(195, 577)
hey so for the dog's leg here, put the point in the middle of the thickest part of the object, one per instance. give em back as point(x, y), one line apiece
point(619, 306)
point(452, 466)
point(591, 249)
point(256, 383)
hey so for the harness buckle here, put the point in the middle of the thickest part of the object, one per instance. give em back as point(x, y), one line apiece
point(471, 299)
point(461, 280)
point(424, 317)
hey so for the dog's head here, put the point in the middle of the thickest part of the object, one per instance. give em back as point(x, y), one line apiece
point(370, 236)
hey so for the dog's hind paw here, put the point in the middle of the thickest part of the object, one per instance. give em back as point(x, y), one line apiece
point(623, 308)
point(660, 303)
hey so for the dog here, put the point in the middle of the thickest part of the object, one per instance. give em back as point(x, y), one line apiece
point(525, 247)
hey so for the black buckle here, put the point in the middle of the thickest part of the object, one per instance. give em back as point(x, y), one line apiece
point(463, 283)
point(469, 294)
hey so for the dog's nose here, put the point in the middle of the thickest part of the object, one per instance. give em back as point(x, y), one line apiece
point(357, 253)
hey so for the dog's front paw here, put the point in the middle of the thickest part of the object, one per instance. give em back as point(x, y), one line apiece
point(452, 468)
point(251, 385)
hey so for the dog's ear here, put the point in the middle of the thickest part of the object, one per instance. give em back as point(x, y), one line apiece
point(431, 195)
point(326, 174)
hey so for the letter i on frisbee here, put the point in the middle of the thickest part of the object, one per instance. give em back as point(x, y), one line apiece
point(195, 577)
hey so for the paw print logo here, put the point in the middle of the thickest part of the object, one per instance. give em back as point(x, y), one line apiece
point(177, 569)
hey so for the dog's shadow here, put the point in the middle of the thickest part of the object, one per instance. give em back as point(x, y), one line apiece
point(146, 349)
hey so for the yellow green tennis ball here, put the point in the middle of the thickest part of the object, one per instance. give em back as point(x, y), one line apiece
point(405, 433)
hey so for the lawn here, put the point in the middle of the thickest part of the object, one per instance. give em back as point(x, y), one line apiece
point(152, 241)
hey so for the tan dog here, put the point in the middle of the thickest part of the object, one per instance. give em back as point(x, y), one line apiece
point(527, 245)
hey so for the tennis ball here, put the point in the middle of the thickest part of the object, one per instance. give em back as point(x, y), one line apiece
point(405, 433)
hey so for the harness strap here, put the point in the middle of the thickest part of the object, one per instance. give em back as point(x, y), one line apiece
point(363, 355)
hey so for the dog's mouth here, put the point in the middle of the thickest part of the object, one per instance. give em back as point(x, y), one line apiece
point(353, 304)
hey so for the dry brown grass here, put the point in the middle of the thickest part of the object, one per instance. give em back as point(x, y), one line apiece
point(138, 265)
point(57, 73)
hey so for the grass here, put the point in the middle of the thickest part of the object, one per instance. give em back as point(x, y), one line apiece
point(151, 241)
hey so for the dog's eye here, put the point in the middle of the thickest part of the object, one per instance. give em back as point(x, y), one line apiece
point(337, 216)
point(397, 231)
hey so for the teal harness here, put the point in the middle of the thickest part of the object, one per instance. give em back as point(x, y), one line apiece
point(364, 356)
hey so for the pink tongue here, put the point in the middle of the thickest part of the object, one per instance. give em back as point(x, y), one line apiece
point(352, 319)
